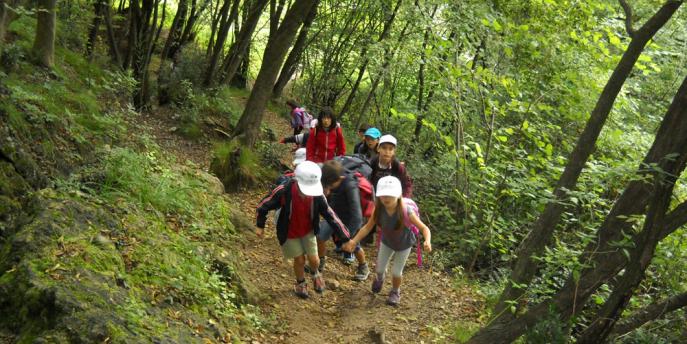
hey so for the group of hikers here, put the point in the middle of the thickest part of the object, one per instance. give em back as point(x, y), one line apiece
point(353, 194)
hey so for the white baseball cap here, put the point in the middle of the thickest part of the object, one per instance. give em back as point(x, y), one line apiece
point(308, 176)
point(387, 139)
point(299, 156)
point(389, 186)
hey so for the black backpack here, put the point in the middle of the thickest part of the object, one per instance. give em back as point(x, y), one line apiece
point(355, 163)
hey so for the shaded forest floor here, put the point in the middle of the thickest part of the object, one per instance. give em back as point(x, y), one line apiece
point(432, 309)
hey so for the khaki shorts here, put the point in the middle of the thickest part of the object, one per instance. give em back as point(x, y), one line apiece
point(293, 248)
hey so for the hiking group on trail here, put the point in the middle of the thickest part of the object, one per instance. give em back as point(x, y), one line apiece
point(353, 194)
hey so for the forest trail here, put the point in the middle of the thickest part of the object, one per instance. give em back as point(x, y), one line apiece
point(347, 312)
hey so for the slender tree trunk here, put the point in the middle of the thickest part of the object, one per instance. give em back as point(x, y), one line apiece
point(240, 46)
point(175, 31)
point(291, 63)
point(276, 10)
point(525, 266)
point(99, 9)
point(148, 34)
point(275, 52)
point(385, 33)
point(7, 15)
point(604, 258)
point(111, 39)
point(225, 24)
point(44, 43)
point(388, 56)
point(649, 313)
point(214, 24)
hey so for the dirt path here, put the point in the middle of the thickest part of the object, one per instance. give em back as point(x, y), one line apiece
point(347, 312)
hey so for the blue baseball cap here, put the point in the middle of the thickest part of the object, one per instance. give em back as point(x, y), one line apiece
point(373, 133)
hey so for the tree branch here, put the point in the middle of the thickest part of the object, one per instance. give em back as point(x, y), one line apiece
point(649, 313)
point(628, 17)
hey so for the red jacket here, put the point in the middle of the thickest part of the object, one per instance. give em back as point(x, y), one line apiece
point(324, 145)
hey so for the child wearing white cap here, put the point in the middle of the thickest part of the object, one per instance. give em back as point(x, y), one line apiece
point(301, 201)
point(394, 219)
point(386, 164)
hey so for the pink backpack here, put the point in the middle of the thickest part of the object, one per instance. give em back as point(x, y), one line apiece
point(412, 206)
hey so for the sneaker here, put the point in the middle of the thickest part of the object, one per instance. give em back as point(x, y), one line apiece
point(394, 298)
point(361, 273)
point(318, 282)
point(301, 290)
point(377, 285)
point(321, 267)
point(348, 258)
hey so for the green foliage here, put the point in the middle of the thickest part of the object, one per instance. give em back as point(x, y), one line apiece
point(237, 166)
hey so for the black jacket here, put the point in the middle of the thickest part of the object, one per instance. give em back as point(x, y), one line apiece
point(280, 197)
point(345, 201)
point(397, 169)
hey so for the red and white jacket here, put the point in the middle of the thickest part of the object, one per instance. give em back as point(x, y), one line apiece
point(324, 145)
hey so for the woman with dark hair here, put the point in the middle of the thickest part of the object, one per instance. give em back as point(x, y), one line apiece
point(326, 139)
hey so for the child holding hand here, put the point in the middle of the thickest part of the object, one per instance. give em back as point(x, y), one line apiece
point(301, 202)
point(393, 218)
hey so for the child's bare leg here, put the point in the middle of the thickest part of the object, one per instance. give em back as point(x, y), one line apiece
point(360, 256)
point(313, 262)
point(396, 282)
point(298, 265)
point(321, 248)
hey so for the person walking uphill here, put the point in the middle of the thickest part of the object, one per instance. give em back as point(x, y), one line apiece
point(394, 218)
point(301, 201)
point(299, 116)
point(326, 139)
point(344, 196)
point(386, 164)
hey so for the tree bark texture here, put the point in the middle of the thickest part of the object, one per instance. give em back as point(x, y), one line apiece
point(225, 21)
point(174, 37)
point(361, 71)
point(649, 313)
point(275, 52)
point(44, 43)
point(604, 258)
point(525, 266)
point(291, 63)
point(240, 47)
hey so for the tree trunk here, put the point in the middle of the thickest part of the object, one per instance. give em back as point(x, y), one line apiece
point(249, 124)
point(99, 9)
point(214, 24)
point(605, 259)
point(385, 33)
point(649, 313)
point(44, 43)
point(388, 56)
point(175, 31)
point(645, 242)
point(276, 10)
point(291, 63)
point(224, 24)
point(147, 37)
point(190, 28)
point(533, 245)
point(240, 46)
point(7, 15)
point(111, 39)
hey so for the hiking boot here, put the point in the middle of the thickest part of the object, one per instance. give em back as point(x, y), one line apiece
point(318, 282)
point(377, 285)
point(348, 258)
point(301, 290)
point(394, 298)
point(362, 272)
